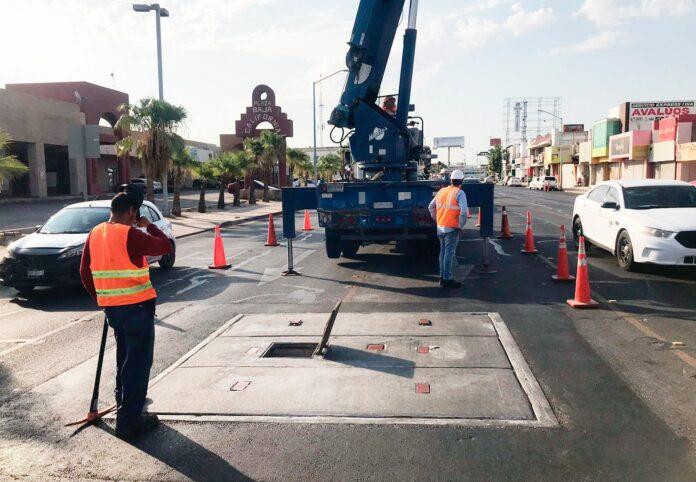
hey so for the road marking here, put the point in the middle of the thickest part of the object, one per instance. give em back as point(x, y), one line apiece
point(11, 313)
point(41, 338)
point(498, 248)
point(196, 281)
point(272, 274)
point(642, 327)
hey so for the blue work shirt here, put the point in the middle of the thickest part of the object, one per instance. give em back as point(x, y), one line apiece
point(461, 200)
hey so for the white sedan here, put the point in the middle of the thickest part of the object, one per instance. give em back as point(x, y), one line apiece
point(642, 221)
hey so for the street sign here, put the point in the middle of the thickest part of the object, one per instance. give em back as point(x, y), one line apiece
point(449, 142)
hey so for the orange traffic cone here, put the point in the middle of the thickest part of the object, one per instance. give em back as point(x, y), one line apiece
point(307, 222)
point(505, 227)
point(582, 285)
point(529, 237)
point(271, 239)
point(219, 259)
point(562, 270)
point(478, 222)
point(468, 213)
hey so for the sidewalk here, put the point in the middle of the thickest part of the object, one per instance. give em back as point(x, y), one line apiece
point(191, 223)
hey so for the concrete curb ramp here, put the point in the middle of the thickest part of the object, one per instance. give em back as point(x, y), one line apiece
point(385, 368)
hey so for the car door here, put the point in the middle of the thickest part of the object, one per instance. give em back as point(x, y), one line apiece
point(590, 212)
point(150, 215)
point(607, 220)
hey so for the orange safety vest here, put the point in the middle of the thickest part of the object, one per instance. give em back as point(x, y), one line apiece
point(448, 210)
point(117, 280)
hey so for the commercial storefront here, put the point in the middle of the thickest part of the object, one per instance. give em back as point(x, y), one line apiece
point(630, 150)
point(686, 162)
point(602, 168)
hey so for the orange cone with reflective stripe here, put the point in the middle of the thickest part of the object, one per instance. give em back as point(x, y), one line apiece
point(529, 247)
point(478, 222)
point(219, 258)
point(582, 284)
point(271, 239)
point(307, 222)
point(562, 270)
point(505, 226)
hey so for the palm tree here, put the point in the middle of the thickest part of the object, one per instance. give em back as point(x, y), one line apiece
point(255, 148)
point(274, 149)
point(228, 167)
point(182, 164)
point(298, 160)
point(205, 173)
point(241, 162)
point(10, 167)
point(328, 165)
point(157, 121)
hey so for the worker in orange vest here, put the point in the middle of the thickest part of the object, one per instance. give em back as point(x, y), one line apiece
point(115, 272)
point(448, 208)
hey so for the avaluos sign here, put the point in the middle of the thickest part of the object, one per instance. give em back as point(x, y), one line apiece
point(643, 114)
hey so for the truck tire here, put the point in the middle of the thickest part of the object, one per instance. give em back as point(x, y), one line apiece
point(333, 245)
point(350, 248)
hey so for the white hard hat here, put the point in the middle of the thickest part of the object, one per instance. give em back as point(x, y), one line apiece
point(457, 175)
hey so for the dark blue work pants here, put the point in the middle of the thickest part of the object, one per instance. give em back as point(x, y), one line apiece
point(134, 329)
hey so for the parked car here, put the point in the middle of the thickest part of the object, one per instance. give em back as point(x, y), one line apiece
point(544, 183)
point(51, 255)
point(645, 221)
point(157, 186)
point(514, 182)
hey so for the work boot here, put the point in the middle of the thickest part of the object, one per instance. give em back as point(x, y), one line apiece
point(144, 423)
point(451, 284)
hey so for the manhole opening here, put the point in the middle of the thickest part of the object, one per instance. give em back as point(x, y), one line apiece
point(290, 350)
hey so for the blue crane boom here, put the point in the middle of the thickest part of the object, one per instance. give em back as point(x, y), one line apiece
point(382, 142)
point(384, 201)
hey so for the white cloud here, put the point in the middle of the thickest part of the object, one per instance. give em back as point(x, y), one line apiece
point(604, 40)
point(607, 13)
point(474, 32)
point(520, 22)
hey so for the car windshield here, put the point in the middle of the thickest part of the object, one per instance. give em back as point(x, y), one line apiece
point(656, 197)
point(75, 220)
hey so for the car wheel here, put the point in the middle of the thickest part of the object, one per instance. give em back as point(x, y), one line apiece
point(624, 252)
point(577, 232)
point(167, 261)
point(25, 290)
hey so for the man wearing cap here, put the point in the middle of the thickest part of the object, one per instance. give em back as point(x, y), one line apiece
point(448, 208)
point(115, 272)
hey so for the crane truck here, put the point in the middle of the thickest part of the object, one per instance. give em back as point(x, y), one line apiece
point(385, 199)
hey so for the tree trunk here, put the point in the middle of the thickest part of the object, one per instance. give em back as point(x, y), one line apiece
point(236, 202)
point(150, 189)
point(252, 191)
point(201, 200)
point(266, 185)
point(221, 196)
point(176, 203)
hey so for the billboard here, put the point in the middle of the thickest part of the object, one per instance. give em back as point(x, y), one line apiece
point(573, 127)
point(449, 142)
point(495, 142)
point(642, 115)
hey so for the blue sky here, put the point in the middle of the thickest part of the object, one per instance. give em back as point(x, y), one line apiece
point(472, 54)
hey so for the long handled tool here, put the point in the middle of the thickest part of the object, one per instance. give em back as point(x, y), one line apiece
point(94, 413)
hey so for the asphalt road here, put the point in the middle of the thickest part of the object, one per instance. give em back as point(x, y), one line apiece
point(624, 400)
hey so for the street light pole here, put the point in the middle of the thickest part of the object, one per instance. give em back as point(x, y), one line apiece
point(560, 148)
point(159, 13)
point(314, 118)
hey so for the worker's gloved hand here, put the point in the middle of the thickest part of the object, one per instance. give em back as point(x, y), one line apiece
point(143, 222)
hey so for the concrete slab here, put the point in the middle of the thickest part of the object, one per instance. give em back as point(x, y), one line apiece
point(338, 392)
point(464, 369)
point(365, 324)
point(440, 352)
